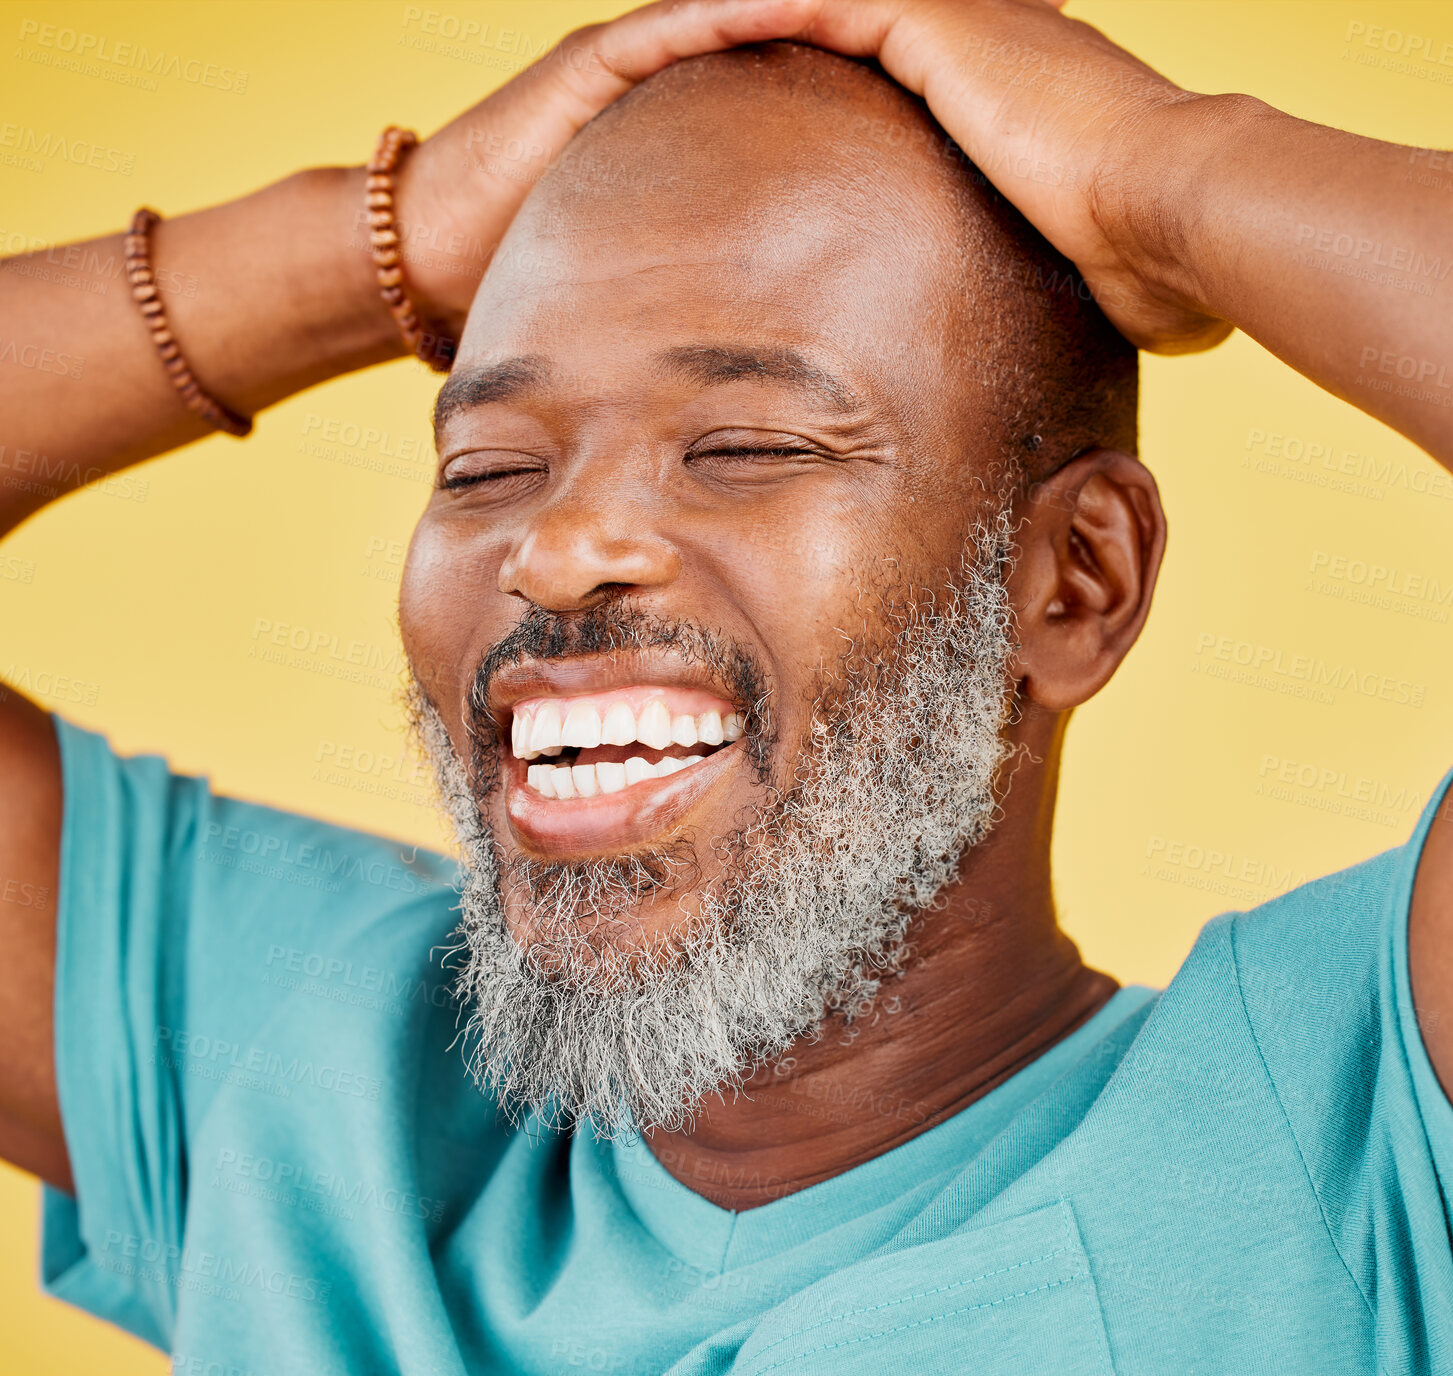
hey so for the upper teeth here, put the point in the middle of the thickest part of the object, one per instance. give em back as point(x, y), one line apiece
point(541, 730)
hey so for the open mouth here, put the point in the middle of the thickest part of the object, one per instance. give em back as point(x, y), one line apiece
point(610, 742)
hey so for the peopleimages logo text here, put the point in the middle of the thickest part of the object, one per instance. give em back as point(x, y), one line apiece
point(86, 47)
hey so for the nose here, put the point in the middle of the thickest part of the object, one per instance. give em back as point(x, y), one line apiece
point(584, 545)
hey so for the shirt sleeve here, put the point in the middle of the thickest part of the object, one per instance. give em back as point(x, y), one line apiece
point(1324, 976)
point(184, 919)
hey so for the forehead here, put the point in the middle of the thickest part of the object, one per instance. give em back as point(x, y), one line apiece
point(613, 264)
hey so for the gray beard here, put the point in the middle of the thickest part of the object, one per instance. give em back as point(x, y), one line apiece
point(894, 780)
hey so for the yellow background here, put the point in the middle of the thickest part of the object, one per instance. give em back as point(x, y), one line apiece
point(154, 603)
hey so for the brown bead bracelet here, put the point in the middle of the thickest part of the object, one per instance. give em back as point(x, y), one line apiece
point(433, 346)
point(144, 292)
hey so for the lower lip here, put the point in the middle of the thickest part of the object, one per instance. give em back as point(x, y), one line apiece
point(609, 821)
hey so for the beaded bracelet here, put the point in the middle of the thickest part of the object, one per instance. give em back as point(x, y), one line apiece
point(434, 347)
point(144, 293)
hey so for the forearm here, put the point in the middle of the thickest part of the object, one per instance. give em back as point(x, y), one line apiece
point(266, 296)
point(1321, 245)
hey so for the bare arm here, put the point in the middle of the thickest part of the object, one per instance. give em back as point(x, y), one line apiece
point(266, 294)
point(30, 825)
point(285, 298)
point(1189, 215)
point(1319, 244)
point(273, 312)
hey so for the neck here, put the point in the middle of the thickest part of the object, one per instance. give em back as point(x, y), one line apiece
point(991, 985)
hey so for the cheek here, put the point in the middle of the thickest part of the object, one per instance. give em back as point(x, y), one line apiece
point(808, 580)
point(448, 601)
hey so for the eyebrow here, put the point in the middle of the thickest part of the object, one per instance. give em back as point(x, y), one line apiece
point(709, 365)
point(501, 381)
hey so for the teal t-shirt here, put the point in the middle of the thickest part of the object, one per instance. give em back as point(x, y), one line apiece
point(282, 1166)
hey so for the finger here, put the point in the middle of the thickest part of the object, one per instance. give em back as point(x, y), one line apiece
point(599, 64)
point(645, 40)
point(552, 99)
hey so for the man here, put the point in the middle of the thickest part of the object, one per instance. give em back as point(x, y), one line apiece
point(785, 511)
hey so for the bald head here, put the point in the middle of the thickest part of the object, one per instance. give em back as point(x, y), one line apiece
point(796, 170)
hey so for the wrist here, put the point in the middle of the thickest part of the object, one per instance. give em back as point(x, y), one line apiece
point(1157, 205)
point(442, 266)
point(333, 270)
point(282, 296)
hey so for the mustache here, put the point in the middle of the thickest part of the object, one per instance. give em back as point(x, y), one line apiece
point(616, 627)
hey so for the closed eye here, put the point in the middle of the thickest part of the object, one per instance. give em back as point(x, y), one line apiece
point(474, 479)
point(754, 452)
point(752, 460)
point(485, 470)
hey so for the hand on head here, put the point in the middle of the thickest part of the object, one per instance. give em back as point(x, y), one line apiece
point(1050, 110)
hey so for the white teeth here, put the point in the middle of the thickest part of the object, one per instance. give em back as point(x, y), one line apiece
point(582, 727)
point(588, 780)
point(611, 777)
point(540, 731)
point(683, 730)
point(584, 778)
point(619, 727)
point(708, 730)
point(520, 731)
point(654, 726)
point(545, 734)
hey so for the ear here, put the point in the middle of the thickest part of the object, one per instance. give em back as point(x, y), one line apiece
point(1090, 541)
